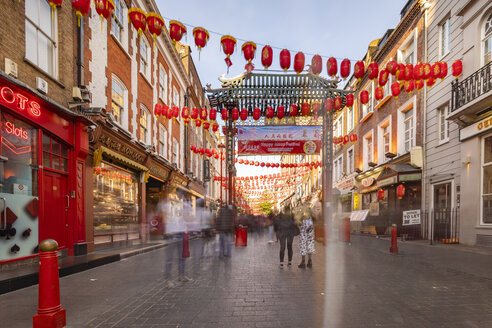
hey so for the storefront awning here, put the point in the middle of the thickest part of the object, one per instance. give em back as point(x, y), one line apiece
point(359, 215)
point(98, 153)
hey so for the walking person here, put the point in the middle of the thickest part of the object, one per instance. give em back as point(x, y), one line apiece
point(287, 229)
point(306, 238)
point(225, 227)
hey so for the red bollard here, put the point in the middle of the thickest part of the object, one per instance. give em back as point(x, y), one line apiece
point(346, 230)
point(394, 247)
point(239, 237)
point(50, 313)
point(245, 236)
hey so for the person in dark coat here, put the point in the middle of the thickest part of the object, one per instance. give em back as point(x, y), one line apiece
point(287, 229)
point(225, 227)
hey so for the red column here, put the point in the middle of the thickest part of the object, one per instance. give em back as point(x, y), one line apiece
point(50, 313)
point(347, 230)
point(394, 247)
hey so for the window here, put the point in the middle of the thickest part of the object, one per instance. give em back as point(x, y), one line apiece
point(144, 57)
point(162, 141)
point(407, 52)
point(444, 40)
point(175, 151)
point(487, 180)
point(144, 125)
point(175, 97)
point(55, 155)
point(350, 160)
point(384, 142)
point(162, 83)
point(443, 125)
point(118, 102)
point(338, 126)
point(337, 168)
point(350, 119)
point(368, 108)
point(117, 22)
point(409, 130)
point(367, 150)
point(41, 36)
point(487, 41)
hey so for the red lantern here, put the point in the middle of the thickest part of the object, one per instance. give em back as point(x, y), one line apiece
point(256, 114)
point(82, 7)
point(316, 64)
point(186, 121)
point(395, 89)
point(185, 113)
point(280, 112)
point(373, 71)
point(193, 148)
point(349, 100)
point(337, 103)
point(427, 71)
point(176, 31)
point(164, 110)
point(418, 71)
point(391, 67)
point(249, 49)
point(266, 56)
point(155, 23)
point(359, 70)
point(408, 72)
point(457, 68)
point(444, 70)
point(285, 59)
point(400, 72)
point(430, 82)
point(212, 114)
point(400, 191)
point(299, 60)
point(345, 68)
point(201, 37)
point(225, 114)
point(364, 97)
point(228, 43)
point(198, 123)
point(104, 8)
point(383, 77)
point(215, 127)
point(235, 114)
point(203, 114)
point(262, 164)
point(379, 93)
point(331, 66)
point(169, 113)
point(269, 112)
point(206, 125)
point(138, 18)
point(419, 84)
point(380, 194)
point(409, 86)
point(244, 114)
point(293, 110)
point(194, 113)
point(157, 110)
point(436, 70)
point(257, 164)
point(175, 111)
point(268, 164)
point(316, 107)
point(224, 130)
point(305, 109)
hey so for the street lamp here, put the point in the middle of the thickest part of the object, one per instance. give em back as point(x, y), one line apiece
point(222, 147)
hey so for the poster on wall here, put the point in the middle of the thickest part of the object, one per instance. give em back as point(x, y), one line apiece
point(411, 217)
point(278, 140)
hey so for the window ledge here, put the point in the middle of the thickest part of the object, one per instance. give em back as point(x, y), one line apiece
point(145, 78)
point(383, 101)
point(120, 46)
point(442, 142)
point(368, 115)
point(485, 227)
point(46, 74)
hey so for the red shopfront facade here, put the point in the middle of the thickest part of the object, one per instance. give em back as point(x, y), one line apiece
point(42, 163)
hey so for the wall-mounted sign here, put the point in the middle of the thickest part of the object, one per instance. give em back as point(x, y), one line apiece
point(387, 181)
point(476, 128)
point(366, 182)
point(410, 177)
point(18, 101)
point(356, 201)
point(206, 170)
point(411, 217)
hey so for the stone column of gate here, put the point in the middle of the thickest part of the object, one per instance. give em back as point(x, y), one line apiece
point(327, 172)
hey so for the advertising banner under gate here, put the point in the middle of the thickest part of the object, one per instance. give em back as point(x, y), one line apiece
point(272, 140)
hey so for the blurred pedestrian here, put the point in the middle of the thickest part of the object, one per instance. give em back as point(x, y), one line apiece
point(306, 238)
point(270, 226)
point(225, 227)
point(287, 229)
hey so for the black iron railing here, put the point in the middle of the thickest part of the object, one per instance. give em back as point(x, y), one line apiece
point(471, 88)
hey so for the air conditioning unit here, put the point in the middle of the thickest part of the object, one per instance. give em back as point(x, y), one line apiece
point(10, 67)
point(42, 85)
point(416, 159)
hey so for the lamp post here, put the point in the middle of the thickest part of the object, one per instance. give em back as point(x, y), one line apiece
point(221, 146)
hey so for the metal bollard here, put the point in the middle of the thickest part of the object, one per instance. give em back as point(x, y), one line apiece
point(50, 313)
point(394, 246)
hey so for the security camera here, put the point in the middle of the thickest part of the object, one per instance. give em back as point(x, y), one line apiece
point(91, 128)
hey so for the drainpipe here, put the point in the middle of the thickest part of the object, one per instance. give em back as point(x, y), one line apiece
point(80, 53)
point(425, 8)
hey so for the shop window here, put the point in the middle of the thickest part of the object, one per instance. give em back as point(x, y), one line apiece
point(162, 83)
point(444, 37)
point(162, 141)
point(115, 200)
point(55, 154)
point(119, 102)
point(487, 41)
point(41, 35)
point(144, 125)
point(443, 125)
point(487, 180)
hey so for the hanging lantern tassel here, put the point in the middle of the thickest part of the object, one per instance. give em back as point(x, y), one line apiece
point(53, 4)
point(81, 8)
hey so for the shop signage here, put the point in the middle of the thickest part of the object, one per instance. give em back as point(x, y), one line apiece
point(476, 128)
point(230, 147)
point(366, 182)
point(410, 177)
point(387, 181)
point(356, 201)
point(10, 128)
point(177, 180)
point(122, 149)
point(158, 172)
point(411, 217)
point(18, 102)
point(206, 170)
point(374, 209)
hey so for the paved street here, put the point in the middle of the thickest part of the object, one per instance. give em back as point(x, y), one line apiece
point(360, 285)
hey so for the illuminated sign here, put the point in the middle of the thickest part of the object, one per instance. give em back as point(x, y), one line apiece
point(13, 148)
point(9, 97)
point(476, 128)
point(10, 128)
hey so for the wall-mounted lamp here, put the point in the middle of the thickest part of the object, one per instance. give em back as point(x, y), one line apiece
point(372, 164)
point(467, 160)
point(390, 155)
point(359, 171)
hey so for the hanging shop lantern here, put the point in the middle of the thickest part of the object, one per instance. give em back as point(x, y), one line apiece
point(228, 44)
point(359, 70)
point(349, 100)
point(430, 82)
point(391, 67)
point(457, 68)
point(269, 112)
point(198, 123)
point(201, 37)
point(206, 125)
point(400, 191)
point(305, 109)
point(419, 84)
point(224, 130)
point(256, 113)
point(364, 97)
point(194, 113)
point(262, 164)
point(316, 64)
point(280, 112)
point(249, 49)
point(138, 18)
point(104, 8)
point(82, 8)
point(185, 113)
point(418, 71)
point(175, 111)
point(215, 127)
point(212, 114)
point(380, 194)
point(235, 114)
point(155, 23)
point(408, 72)
point(257, 164)
point(395, 89)
point(379, 93)
point(299, 60)
point(186, 121)
point(337, 103)
point(266, 56)
point(225, 114)
point(203, 114)
point(400, 72)
point(293, 110)
point(427, 71)
point(244, 114)
point(383, 77)
point(216, 156)
point(373, 71)
point(409, 86)
point(444, 70)
point(176, 31)
point(285, 59)
point(436, 70)
point(169, 113)
point(345, 68)
point(331, 66)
